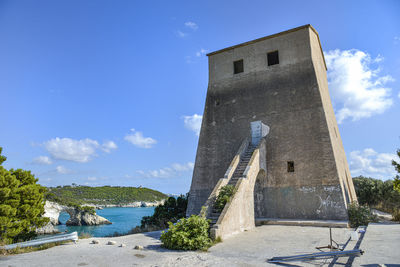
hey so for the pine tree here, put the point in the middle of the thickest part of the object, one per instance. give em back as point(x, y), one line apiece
point(21, 204)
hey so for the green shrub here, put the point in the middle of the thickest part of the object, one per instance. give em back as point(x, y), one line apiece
point(88, 209)
point(377, 194)
point(396, 216)
point(360, 215)
point(171, 211)
point(225, 194)
point(187, 234)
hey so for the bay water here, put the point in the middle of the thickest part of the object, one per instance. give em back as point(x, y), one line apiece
point(123, 220)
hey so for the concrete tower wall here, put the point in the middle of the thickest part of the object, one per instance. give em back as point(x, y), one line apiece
point(292, 98)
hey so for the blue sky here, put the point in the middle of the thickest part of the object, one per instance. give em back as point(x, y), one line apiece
point(112, 92)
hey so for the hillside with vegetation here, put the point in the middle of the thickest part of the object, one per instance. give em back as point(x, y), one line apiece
point(102, 195)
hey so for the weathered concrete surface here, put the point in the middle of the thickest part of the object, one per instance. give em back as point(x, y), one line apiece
point(381, 245)
point(292, 98)
point(293, 222)
point(251, 248)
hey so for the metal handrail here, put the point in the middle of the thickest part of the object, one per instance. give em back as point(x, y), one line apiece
point(51, 239)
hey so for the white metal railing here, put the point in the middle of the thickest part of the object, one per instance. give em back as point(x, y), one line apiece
point(37, 242)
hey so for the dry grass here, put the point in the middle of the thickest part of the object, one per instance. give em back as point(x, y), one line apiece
point(85, 236)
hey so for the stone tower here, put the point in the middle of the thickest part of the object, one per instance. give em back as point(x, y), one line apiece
point(281, 81)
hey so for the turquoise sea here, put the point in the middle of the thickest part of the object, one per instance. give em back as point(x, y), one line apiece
point(123, 220)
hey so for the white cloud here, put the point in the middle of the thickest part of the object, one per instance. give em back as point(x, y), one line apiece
point(193, 123)
point(182, 167)
point(137, 139)
point(191, 25)
point(372, 164)
point(396, 39)
point(108, 146)
point(42, 160)
point(62, 170)
point(76, 150)
point(358, 90)
point(92, 178)
point(69, 149)
point(167, 172)
point(201, 52)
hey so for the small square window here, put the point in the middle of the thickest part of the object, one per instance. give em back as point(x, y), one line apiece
point(238, 66)
point(273, 58)
point(290, 166)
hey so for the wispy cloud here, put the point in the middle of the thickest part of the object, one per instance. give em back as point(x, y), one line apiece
point(137, 139)
point(201, 52)
point(62, 170)
point(193, 122)
point(191, 25)
point(108, 146)
point(181, 34)
point(358, 90)
point(370, 163)
point(167, 172)
point(396, 40)
point(43, 160)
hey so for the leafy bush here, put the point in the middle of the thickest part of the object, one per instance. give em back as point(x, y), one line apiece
point(225, 194)
point(396, 215)
point(171, 211)
point(360, 215)
point(187, 234)
point(396, 182)
point(377, 193)
point(88, 209)
point(21, 204)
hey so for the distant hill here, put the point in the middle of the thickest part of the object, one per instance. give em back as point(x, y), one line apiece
point(102, 195)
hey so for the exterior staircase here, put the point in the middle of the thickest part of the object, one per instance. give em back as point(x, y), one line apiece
point(240, 169)
point(244, 161)
point(238, 213)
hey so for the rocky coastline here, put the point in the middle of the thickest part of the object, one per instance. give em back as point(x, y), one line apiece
point(80, 217)
point(77, 217)
point(137, 204)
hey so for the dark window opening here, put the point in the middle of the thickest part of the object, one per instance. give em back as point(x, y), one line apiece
point(290, 166)
point(273, 58)
point(217, 102)
point(238, 66)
